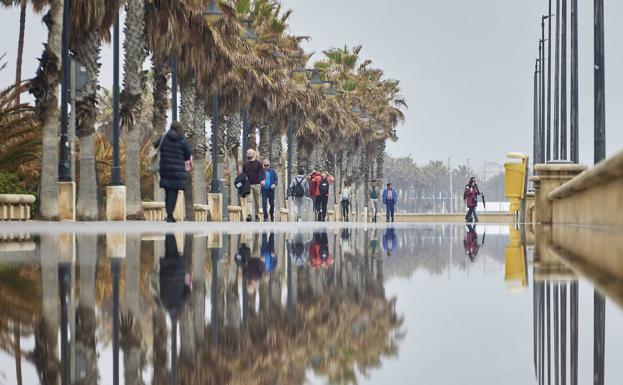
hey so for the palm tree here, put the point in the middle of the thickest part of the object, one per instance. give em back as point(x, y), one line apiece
point(135, 47)
point(20, 39)
point(90, 23)
point(45, 89)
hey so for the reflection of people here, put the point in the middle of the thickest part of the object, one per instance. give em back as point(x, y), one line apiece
point(298, 250)
point(175, 282)
point(252, 267)
point(389, 241)
point(268, 252)
point(319, 251)
point(470, 243)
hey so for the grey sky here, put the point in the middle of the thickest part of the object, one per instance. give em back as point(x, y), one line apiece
point(465, 67)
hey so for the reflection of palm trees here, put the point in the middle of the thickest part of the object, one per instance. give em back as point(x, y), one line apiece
point(85, 313)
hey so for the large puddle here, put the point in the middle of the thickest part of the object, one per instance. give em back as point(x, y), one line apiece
point(428, 304)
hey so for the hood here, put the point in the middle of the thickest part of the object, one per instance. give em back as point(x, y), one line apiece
point(173, 135)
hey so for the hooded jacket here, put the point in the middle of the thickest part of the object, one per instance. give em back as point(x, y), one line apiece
point(174, 151)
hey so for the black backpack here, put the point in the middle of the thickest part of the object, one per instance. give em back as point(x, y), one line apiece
point(242, 185)
point(297, 190)
point(324, 186)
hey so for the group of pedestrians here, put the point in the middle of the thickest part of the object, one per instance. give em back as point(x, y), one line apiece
point(258, 181)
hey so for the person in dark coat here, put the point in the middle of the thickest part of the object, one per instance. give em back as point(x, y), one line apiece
point(174, 153)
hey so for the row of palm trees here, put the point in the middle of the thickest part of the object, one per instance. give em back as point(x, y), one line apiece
point(234, 61)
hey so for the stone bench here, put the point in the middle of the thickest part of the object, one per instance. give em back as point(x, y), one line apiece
point(154, 211)
point(234, 213)
point(202, 213)
point(15, 207)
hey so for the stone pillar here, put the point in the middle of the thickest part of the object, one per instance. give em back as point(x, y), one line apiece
point(215, 201)
point(552, 176)
point(67, 201)
point(115, 203)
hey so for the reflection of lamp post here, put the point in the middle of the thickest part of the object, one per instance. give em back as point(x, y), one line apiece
point(63, 278)
point(115, 265)
point(214, 297)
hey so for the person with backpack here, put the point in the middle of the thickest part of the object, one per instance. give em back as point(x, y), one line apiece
point(345, 201)
point(269, 184)
point(175, 162)
point(299, 189)
point(390, 197)
point(323, 182)
point(243, 186)
point(470, 196)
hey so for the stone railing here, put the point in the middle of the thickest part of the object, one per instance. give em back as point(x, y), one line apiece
point(594, 197)
point(15, 207)
point(154, 211)
point(202, 213)
point(234, 213)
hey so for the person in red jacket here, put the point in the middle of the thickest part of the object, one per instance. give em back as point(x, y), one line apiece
point(470, 195)
point(319, 191)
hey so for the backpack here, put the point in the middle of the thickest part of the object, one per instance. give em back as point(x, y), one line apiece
point(242, 185)
point(154, 157)
point(324, 186)
point(297, 190)
point(374, 194)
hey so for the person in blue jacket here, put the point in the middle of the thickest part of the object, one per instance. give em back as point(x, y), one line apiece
point(268, 252)
point(390, 197)
point(268, 185)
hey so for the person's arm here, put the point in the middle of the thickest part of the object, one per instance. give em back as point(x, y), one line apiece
point(275, 179)
point(331, 179)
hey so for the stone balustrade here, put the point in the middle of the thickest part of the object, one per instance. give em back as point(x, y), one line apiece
point(15, 207)
point(202, 213)
point(235, 213)
point(154, 211)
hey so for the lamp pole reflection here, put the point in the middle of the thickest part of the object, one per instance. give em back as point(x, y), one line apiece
point(215, 256)
point(115, 265)
point(63, 278)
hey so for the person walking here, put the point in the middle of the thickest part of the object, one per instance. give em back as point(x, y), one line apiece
point(175, 162)
point(390, 197)
point(470, 243)
point(470, 196)
point(323, 183)
point(268, 185)
point(374, 202)
point(313, 190)
point(345, 201)
point(254, 170)
point(299, 189)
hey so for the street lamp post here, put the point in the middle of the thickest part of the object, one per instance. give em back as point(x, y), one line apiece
point(556, 144)
point(116, 165)
point(542, 93)
point(600, 85)
point(563, 82)
point(549, 82)
point(574, 121)
point(64, 167)
point(535, 128)
point(215, 186)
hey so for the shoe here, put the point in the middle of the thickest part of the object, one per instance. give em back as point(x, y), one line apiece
point(249, 218)
point(265, 219)
point(476, 221)
point(257, 218)
point(272, 219)
point(171, 220)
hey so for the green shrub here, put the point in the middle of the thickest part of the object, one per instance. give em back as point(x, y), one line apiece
point(10, 184)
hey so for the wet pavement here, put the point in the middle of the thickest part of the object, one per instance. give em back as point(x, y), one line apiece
point(430, 304)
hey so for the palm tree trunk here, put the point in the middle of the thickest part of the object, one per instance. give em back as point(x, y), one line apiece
point(199, 150)
point(264, 141)
point(131, 333)
point(187, 110)
point(161, 71)
point(45, 89)
point(20, 49)
point(86, 207)
point(87, 52)
point(380, 159)
point(133, 85)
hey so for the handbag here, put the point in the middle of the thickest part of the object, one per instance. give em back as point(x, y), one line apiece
point(154, 157)
point(188, 164)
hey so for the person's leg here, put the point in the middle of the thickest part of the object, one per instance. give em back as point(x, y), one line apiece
point(271, 201)
point(243, 206)
point(392, 211)
point(325, 200)
point(255, 192)
point(475, 214)
point(299, 207)
point(468, 214)
point(348, 211)
point(264, 204)
point(344, 203)
point(317, 208)
point(169, 202)
point(387, 212)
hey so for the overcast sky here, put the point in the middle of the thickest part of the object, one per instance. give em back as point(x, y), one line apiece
point(465, 67)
